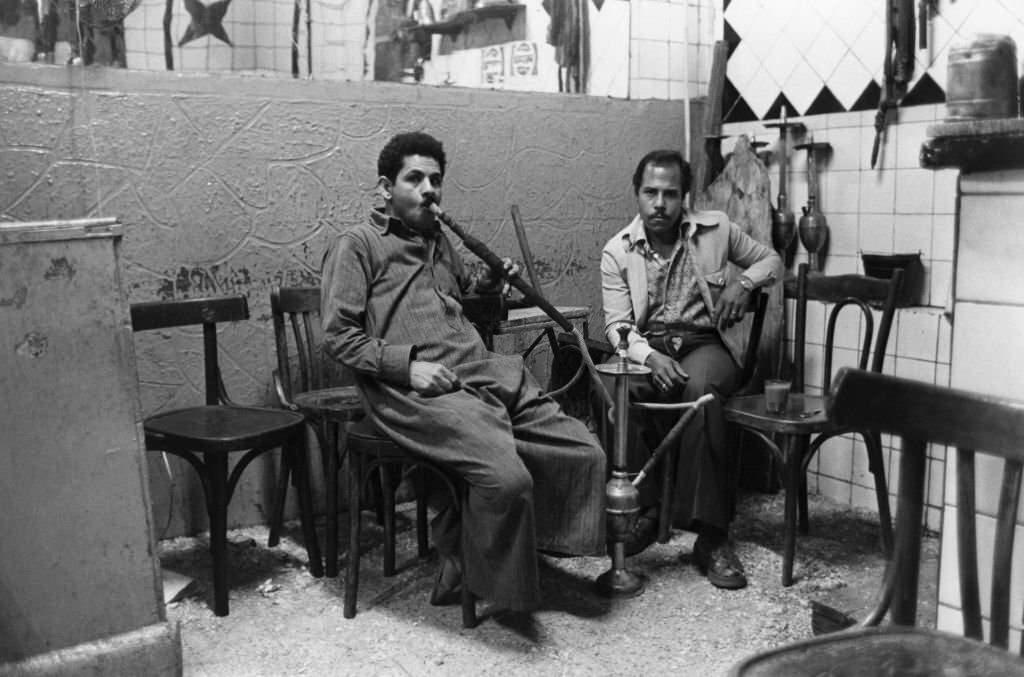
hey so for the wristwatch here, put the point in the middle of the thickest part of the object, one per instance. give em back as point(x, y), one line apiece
point(746, 283)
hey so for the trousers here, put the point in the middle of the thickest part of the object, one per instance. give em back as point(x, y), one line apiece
point(535, 476)
point(705, 474)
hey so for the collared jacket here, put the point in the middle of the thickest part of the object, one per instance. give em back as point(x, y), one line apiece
point(714, 242)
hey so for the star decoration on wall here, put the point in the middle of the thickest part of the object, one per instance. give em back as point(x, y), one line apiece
point(206, 20)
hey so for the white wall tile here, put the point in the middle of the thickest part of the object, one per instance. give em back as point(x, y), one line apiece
point(918, 370)
point(876, 233)
point(946, 188)
point(918, 334)
point(837, 490)
point(909, 137)
point(835, 458)
point(987, 248)
point(650, 20)
point(943, 237)
point(877, 191)
point(843, 190)
point(677, 24)
point(914, 191)
point(984, 336)
point(846, 144)
point(912, 233)
point(651, 58)
point(649, 89)
point(843, 234)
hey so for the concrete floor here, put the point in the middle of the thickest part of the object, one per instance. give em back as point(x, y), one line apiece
point(285, 622)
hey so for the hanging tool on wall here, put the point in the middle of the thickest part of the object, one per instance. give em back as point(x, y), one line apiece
point(926, 11)
point(898, 66)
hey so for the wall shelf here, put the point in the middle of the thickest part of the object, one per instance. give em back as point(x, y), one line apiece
point(975, 145)
point(460, 21)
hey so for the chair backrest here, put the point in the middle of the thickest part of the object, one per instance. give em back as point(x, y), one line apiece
point(844, 291)
point(206, 312)
point(296, 312)
point(920, 413)
point(758, 306)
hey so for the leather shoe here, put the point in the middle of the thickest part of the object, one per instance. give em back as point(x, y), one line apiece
point(643, 533)
point(448, 586)
point(718, 561)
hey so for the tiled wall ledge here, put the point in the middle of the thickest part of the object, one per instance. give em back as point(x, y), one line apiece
point(975, 145)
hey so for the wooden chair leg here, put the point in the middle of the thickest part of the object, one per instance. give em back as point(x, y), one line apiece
point(876, 463)
point(280, 496)
point(300, 471)
point(468, 599)
point(330, 461)
point(803, 510)
point(469, 619)
point(794, 472)
point(668, 485)
point(387, 490)
point(422, 540)
point(355, 474)
point(217, 509)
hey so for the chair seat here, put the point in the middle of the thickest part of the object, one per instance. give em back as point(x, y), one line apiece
point(365, 438)
point(804, 415)
point(890, 650)
point(339, 404)
point(220, 428)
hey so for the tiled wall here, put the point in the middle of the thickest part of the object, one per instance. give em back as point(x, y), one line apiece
point(989, 309)
point(261, 35)
point(895, 207)
point(670, 47)
point(641, 49)
point(826, 58)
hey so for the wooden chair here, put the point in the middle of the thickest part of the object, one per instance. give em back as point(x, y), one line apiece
point(921, 413)
point(568, 377)
point(371, 455)
point(205, 435)
point(301, 383)
point(806, 414)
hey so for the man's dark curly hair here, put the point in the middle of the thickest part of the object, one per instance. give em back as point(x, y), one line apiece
point(392, 156)
point(663, 158)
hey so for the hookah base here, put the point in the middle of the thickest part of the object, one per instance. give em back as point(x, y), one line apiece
point(619, 583)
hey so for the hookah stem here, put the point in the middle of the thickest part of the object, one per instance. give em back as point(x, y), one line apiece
point(532, 295)
point(671, 438)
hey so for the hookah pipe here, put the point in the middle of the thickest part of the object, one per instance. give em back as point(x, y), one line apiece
point(623, 498)
point(529, 293)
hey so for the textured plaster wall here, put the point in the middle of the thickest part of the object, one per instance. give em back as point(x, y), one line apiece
point(231, 185)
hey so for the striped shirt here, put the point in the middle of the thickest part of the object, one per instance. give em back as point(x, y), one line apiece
point(391, 294)
point(674, 297)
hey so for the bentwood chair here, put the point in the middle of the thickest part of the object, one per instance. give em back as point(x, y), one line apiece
point(335, 413)
point(567, 377)
point(301, 382)
point(987, 428)
point(205, 435)
point(805, 425)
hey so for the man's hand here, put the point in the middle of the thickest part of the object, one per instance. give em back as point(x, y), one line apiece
point(731, 305)
point(489, 281)
point(431, 378)
point(666, 373)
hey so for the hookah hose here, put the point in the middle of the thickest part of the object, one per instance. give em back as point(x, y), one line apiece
point(529, 293)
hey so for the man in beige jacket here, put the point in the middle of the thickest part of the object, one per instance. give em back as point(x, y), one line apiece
point(665, 273)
